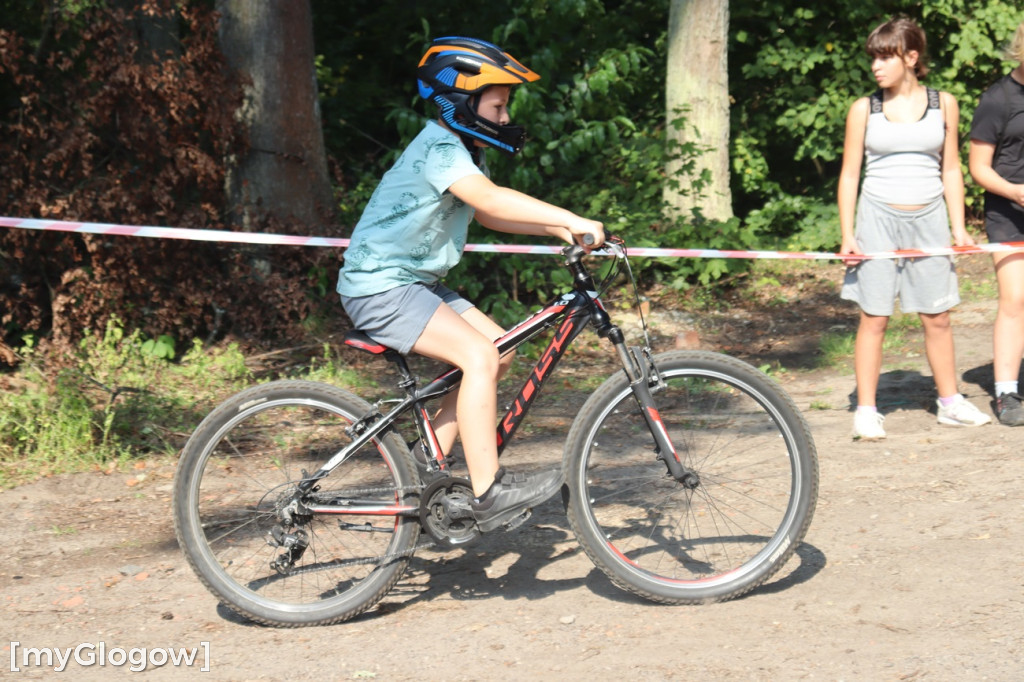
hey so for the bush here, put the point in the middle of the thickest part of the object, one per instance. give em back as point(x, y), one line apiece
point(121, 401)
point(94, 126)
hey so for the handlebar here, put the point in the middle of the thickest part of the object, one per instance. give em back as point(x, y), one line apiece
point(609, 240)
point(574, 253)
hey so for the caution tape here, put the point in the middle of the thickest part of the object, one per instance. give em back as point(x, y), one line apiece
point(298, 240)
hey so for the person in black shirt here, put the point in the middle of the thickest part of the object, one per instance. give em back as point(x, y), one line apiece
point(996, 162)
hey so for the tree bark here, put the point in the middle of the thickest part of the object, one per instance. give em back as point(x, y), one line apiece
point(283, 175)
point(697, 88)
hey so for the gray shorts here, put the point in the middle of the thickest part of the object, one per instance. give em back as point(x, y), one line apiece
point(923, 285)
point(397, 317)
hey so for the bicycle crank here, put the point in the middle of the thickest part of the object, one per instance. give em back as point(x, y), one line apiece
point(445, 513)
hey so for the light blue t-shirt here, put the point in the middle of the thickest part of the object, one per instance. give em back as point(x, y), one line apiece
point(413, 229)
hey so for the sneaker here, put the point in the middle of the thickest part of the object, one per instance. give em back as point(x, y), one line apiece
point(961, 413)
point(511, 495)
point(1009, 409)
point(868, 425)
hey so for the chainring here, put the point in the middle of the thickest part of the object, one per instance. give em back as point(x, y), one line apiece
point(445, 513)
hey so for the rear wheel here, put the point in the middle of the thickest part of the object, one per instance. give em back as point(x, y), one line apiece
point(757, 466)
point(248, 541)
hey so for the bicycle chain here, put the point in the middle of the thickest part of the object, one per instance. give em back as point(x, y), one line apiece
point(383, 559)
point(363, 491)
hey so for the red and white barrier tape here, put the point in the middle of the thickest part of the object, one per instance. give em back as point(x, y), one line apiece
point(296, 240)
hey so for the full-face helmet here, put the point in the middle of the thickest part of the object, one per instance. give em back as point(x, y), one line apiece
point(453, 73)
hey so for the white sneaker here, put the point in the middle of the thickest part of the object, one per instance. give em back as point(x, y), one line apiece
point(868, 425)
point(961, 413)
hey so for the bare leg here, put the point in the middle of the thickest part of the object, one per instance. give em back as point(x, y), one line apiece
point(1008, 332)
point(454, 339)
point(867, 356)
point(938, 346)
point(445, 421)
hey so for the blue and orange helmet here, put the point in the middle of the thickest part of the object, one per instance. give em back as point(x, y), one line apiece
point(454, 71)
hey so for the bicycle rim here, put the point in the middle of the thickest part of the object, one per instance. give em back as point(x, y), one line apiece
point(757, 466)
point(241, 467)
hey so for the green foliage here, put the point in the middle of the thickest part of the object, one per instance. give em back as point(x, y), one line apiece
point(37, 427)
point(208, 369)
point(835, 348)
point(161, 347)
point(595, 120)
point(119, 400)
point(978, 289)
point(330, 368)
point(70, 70)
point(809, 224)
point(795, 69)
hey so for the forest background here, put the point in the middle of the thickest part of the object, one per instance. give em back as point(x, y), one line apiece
point(133, 112)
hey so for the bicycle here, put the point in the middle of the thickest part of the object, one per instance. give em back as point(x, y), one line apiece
point(690, 476)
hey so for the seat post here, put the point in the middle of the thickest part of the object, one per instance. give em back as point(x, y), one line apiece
point(408, 382)
point(359, 340)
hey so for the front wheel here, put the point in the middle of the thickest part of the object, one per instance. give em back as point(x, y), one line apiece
point(669, 542)
point(253, 541)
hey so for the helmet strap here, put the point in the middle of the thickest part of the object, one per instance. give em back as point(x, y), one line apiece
point(475, 152)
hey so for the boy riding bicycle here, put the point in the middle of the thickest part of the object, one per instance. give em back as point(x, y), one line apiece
point(412, 233)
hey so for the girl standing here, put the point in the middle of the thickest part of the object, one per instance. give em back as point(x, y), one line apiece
point(905, 138)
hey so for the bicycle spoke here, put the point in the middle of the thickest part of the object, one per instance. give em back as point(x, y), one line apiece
point(753, 458)
point(261, 553)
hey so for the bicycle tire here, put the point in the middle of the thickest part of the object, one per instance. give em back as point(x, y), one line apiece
point(757, 464)
point(243, 462)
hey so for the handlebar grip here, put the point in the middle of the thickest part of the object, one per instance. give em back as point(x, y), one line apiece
point(588, 239)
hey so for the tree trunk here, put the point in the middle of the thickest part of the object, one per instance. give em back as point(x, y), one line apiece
point(283, 174)
point(697, 88)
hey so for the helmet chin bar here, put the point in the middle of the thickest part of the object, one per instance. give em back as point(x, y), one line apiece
point(463, 120)
point(509, 139)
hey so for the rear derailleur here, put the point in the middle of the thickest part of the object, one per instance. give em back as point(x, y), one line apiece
point(295, 542)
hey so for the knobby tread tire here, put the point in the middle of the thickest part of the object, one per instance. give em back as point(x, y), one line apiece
point(211, 451)
point(746, 439)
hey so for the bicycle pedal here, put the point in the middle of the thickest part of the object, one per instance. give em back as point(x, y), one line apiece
point(518, 520)
point(457, 509)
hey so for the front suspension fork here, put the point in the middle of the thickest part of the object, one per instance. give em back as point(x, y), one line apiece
point(644, 380)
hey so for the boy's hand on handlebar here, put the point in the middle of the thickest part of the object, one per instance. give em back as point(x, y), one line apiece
point(587, 233)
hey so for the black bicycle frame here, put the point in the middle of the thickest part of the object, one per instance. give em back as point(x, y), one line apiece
point(571, 313)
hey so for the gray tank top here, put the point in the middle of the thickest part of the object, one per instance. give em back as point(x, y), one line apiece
point(903, 161)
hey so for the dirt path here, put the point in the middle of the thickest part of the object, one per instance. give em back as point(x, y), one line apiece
point(912, 570)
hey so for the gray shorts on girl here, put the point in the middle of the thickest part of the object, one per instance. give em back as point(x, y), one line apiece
point(923, 285)
point(396, 318)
